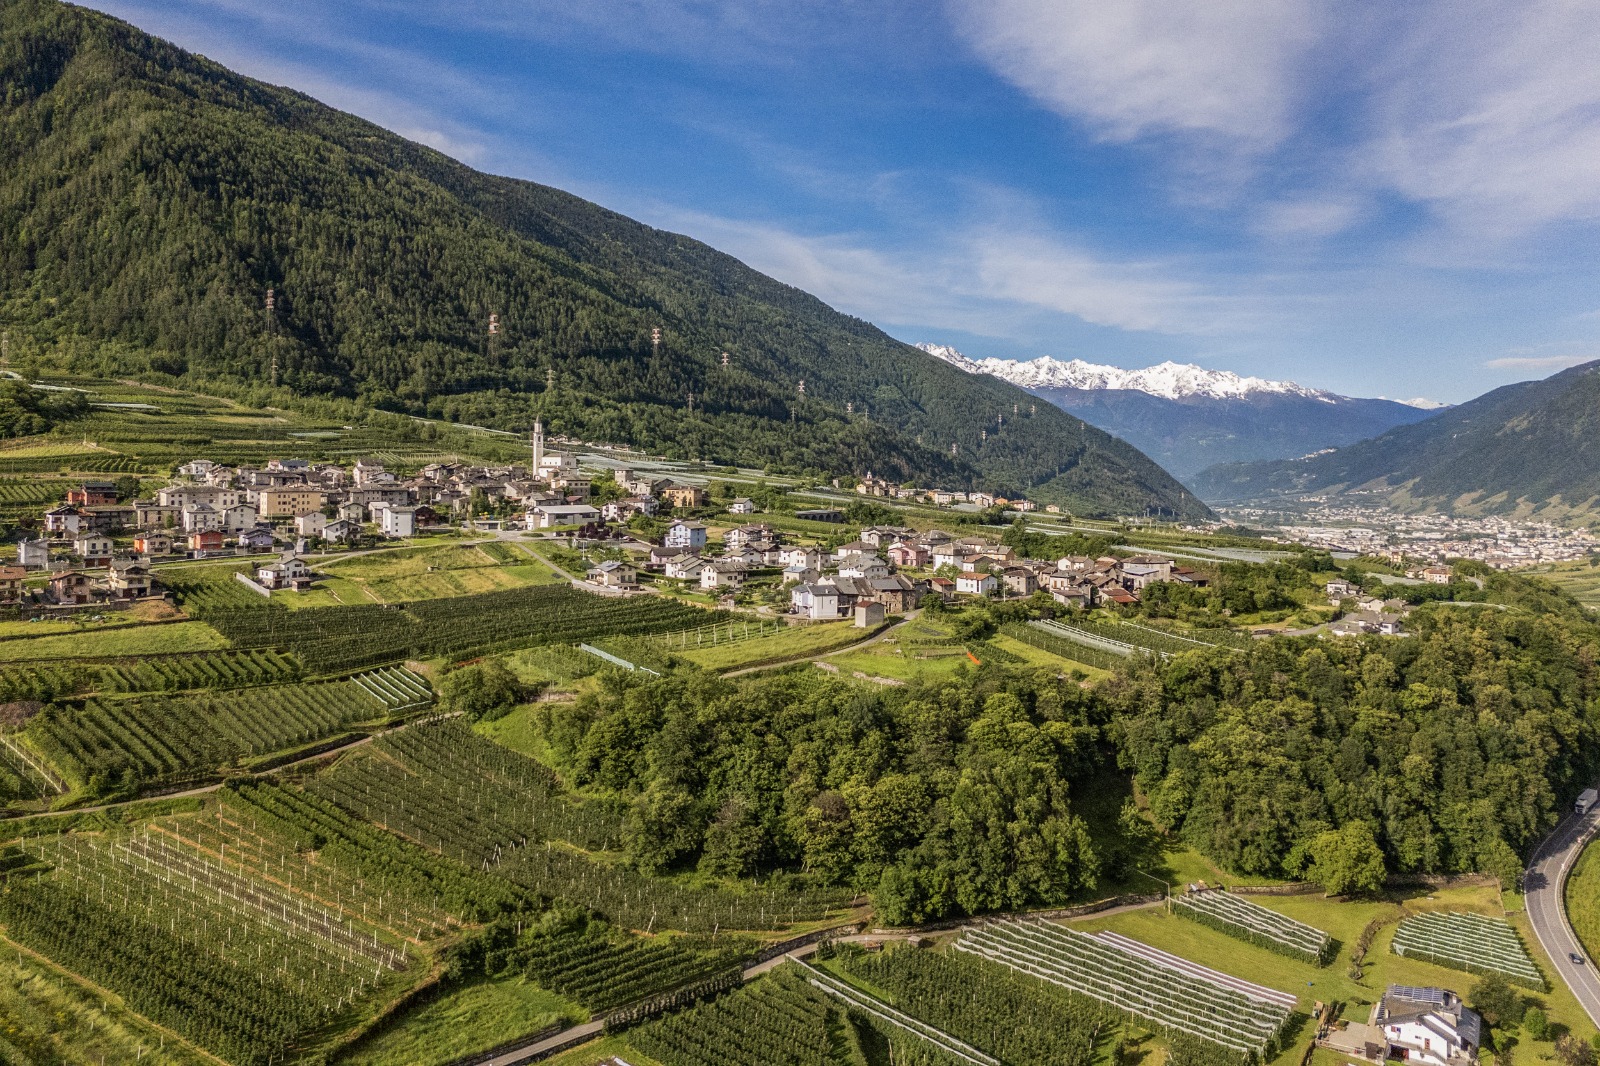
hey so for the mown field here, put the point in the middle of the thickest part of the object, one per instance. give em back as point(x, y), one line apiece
point(115, 641)
point(433, 572)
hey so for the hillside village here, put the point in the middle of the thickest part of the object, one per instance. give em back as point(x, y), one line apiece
point(97, 547)
point(100, 548)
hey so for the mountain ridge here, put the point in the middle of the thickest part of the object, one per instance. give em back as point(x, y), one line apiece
point(1527, 449)
point(150, 198)
point(1189, 418)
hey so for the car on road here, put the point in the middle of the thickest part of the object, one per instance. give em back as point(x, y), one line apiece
point(1577, 960)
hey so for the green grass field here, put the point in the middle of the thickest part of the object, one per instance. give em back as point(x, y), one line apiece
point(518, 731)
point(603, 1052)
point(473, 1017)
point(794, 642)
point(116, 641)
point(431, 572)
point(114, 620)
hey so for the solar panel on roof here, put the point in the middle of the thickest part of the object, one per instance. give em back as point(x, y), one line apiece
point(1411, 993)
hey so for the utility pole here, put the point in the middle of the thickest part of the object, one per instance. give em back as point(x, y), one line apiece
point(272, 331)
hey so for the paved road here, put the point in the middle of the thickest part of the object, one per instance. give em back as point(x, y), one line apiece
point(1544, 886)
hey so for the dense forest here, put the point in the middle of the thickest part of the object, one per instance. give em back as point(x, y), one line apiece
point(26, 411)
point(952, 796)
point(1450, 751)
point(149, 199)
point(1458, 746)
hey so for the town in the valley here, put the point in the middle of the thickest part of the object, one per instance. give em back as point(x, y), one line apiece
point(98, 548)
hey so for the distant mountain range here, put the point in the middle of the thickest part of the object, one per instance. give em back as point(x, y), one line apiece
point(151, 199)
point(1529, 449)
point(1188, 418)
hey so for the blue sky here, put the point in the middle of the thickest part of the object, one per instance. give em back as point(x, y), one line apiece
point(1381, 199)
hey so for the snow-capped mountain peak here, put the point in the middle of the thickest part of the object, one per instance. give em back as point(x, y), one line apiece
point(1172, 381)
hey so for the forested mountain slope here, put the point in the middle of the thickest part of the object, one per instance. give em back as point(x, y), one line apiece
point(1529, 447)
point(150, 198)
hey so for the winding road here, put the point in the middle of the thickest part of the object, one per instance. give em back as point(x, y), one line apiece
point(1544, 888)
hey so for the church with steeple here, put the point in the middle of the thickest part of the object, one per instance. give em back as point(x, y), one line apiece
point(549, 465)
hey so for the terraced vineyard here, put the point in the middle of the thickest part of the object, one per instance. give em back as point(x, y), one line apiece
point(980, 1004)
point(47, 681)
point(1469, 942)
point(450, 790)
point(1041, 635)
point(1167, 992)
point(334, 639)
point(603, 973)
point(27, 491)
point(202, 590)
point(237, 965)
point(278, 826)
point(174, 738)
point(779, 1020)
point(1251, 922)
point(897, 1021)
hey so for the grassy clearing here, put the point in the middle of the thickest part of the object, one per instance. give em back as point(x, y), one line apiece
point(49, 627)
point(428, 572)
point(601, 1053)
point(47, 1018)
point(905, 664)
point(473, 1017)
point(116, 641)
point(518, 731)
point(794, 642)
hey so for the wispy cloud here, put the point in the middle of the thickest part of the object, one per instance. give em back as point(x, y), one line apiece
point(1310, 217)
point(976, 280)
point(1541, 362)
point(1484, 113)
point(1150, 66)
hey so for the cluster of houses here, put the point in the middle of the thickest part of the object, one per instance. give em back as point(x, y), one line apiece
point(890, 568)
point(214, 509)
point(883, 488)
point(1364, 613)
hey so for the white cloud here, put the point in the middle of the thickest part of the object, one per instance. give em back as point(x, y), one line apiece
point(1046, 272)
point(1310, 217)
point(1540, 362)
point(1490, 113)
point(1486, 114)
point(977, 280)
point(1133, 67)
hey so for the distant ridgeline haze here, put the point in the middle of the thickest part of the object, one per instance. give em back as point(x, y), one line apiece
point(1188, 418)
point(149, 199)
point(1532, 448)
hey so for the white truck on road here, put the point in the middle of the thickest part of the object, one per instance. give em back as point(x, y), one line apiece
point(1585, 801)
